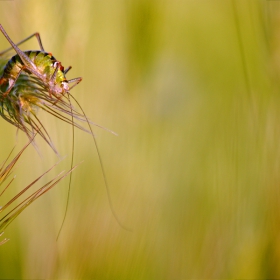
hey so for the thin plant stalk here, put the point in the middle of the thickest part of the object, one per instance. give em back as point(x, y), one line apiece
point(5, 172)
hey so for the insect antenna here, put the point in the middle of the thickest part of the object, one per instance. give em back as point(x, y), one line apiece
point(101, 165)
point(70, 177)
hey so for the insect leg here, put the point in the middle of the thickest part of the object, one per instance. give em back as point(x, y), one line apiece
point(24, 40)
point(25, 59)
point(67, 70)
point(75, 81)
point(57, 65)
point(13, 82)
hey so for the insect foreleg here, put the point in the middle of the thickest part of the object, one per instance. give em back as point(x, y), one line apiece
point(67, 70)
point(57, 65)
point(75, 81)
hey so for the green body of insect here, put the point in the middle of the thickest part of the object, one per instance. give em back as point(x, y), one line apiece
point(35, 79)
point(31, 80)
point(46, 65)
point(39, 63)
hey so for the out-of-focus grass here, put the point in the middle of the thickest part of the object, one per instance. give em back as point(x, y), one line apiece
point(192, 89)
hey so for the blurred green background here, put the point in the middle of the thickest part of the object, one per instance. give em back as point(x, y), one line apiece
point(192, 88)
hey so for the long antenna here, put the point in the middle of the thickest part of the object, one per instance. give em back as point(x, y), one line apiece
point(70, 178)
point(102, 168)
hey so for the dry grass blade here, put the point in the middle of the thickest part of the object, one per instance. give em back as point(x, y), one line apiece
point(4, 240)
point(5, 170)
point(12, 214)
point(16, 210)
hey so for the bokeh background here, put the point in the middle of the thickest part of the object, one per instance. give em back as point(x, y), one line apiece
point(192, 89)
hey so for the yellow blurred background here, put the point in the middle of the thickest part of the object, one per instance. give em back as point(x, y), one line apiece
point(192, 89)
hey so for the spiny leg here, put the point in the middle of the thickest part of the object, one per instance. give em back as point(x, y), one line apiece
point(57, 65)
point(25, 59)
point(13, 82)
point(26, 39)
point(75, 81)
point(67, 70)
point(28, 63)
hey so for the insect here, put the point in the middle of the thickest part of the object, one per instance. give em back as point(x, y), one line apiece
point(40, 63)
point(33, 80)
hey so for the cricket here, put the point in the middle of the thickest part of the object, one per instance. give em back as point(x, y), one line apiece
point(35, 79)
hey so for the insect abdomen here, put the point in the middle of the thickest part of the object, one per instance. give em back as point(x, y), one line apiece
point(42, 60)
